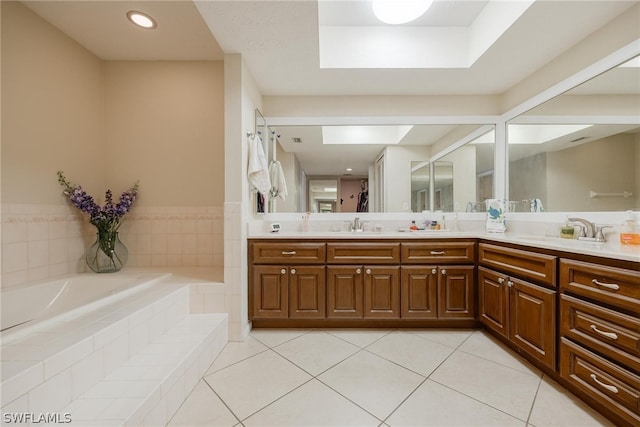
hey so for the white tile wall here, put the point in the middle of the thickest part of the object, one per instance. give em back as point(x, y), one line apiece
point(43, 241)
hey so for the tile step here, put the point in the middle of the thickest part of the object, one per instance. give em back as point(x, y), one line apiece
point(149, 388)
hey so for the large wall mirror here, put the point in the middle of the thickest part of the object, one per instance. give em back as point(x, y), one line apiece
point(580, 151)
point(383, 168)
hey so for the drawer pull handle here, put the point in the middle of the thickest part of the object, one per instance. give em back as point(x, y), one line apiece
point(611, 335)
point(288, 252)
point(437, 252)
point(611, 388)
point(611, 286)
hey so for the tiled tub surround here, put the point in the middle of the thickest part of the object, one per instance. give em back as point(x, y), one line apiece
point(129, 359)
point(44, 241)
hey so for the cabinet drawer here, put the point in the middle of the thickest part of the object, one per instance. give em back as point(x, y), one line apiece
point(288, 253)
point(604, 381)
point(608, 332)
point(525, 264)
point(610, 285)
point(363, 252)
point(437, 252)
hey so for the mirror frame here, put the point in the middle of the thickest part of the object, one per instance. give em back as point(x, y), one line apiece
point(499, 122)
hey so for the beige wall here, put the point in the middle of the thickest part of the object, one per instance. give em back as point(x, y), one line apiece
point(106, 124)
point(165, 127)
point(574, 172)
point(295, 106)
point(616, 34)
point(52, 110)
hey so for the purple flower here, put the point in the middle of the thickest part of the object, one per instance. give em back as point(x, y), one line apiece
point(106, 218)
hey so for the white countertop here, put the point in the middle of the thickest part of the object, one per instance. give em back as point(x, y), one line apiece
point(610, 249)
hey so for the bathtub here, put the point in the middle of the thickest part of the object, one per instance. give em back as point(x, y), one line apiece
point(25, 305)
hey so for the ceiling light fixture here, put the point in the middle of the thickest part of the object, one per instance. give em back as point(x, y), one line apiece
point(397, 12)
point(142, 20)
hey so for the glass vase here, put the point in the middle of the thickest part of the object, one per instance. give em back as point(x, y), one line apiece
point(108, 254)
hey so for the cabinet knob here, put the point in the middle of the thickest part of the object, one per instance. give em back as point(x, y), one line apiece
point(358, 271)
point(283, 271)
point(510, 283)
point(293, 271)
point(501, 280)
point(368, 271)
point(444, 271)
point(434, 271)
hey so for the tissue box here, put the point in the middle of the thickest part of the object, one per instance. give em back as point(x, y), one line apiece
point(496, 219)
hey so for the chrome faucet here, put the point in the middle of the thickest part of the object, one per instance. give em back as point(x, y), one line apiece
point(357, 225)
point(587, 229)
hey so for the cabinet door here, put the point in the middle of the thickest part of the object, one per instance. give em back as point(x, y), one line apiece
point(533, 320)
point(493, 310)
point(418, 292)
point(344, 292)
point(456, 292)
point(270, 292)
point(382, 292)
point(307, 292)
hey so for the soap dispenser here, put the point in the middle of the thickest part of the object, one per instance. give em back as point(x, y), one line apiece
point(630, 232)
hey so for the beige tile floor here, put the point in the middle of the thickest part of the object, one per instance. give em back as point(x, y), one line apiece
point(385, 378)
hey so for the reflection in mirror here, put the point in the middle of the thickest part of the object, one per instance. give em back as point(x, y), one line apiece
point(420, 186)
point(323, 195)
point(581, 150)
point(376, 160)
point(573, 167)
point(443, 186)
point(261, 131)
point(464, 177)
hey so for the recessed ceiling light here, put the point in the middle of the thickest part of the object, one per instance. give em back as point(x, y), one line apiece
point(400, 11)
point(349, 169)
point(142, 20)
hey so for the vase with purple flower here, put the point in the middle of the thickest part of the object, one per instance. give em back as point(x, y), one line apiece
point(107, 254)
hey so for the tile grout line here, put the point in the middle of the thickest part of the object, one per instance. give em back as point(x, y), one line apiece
point(425, 379)
point(535, 396)
point(223, 402)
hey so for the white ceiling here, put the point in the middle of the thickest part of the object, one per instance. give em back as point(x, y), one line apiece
point(279, 41)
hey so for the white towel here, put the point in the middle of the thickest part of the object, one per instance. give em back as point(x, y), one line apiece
point(257, 172)
point(278, 184)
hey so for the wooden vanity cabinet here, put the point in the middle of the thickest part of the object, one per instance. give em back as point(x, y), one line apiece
point(363, 291)
point(519, 310)
point(280, 287)
point(433, 289)
point(600, 336)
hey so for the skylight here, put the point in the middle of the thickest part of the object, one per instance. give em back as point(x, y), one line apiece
point(383, 135)
point(400, 11)
point(448, 35)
